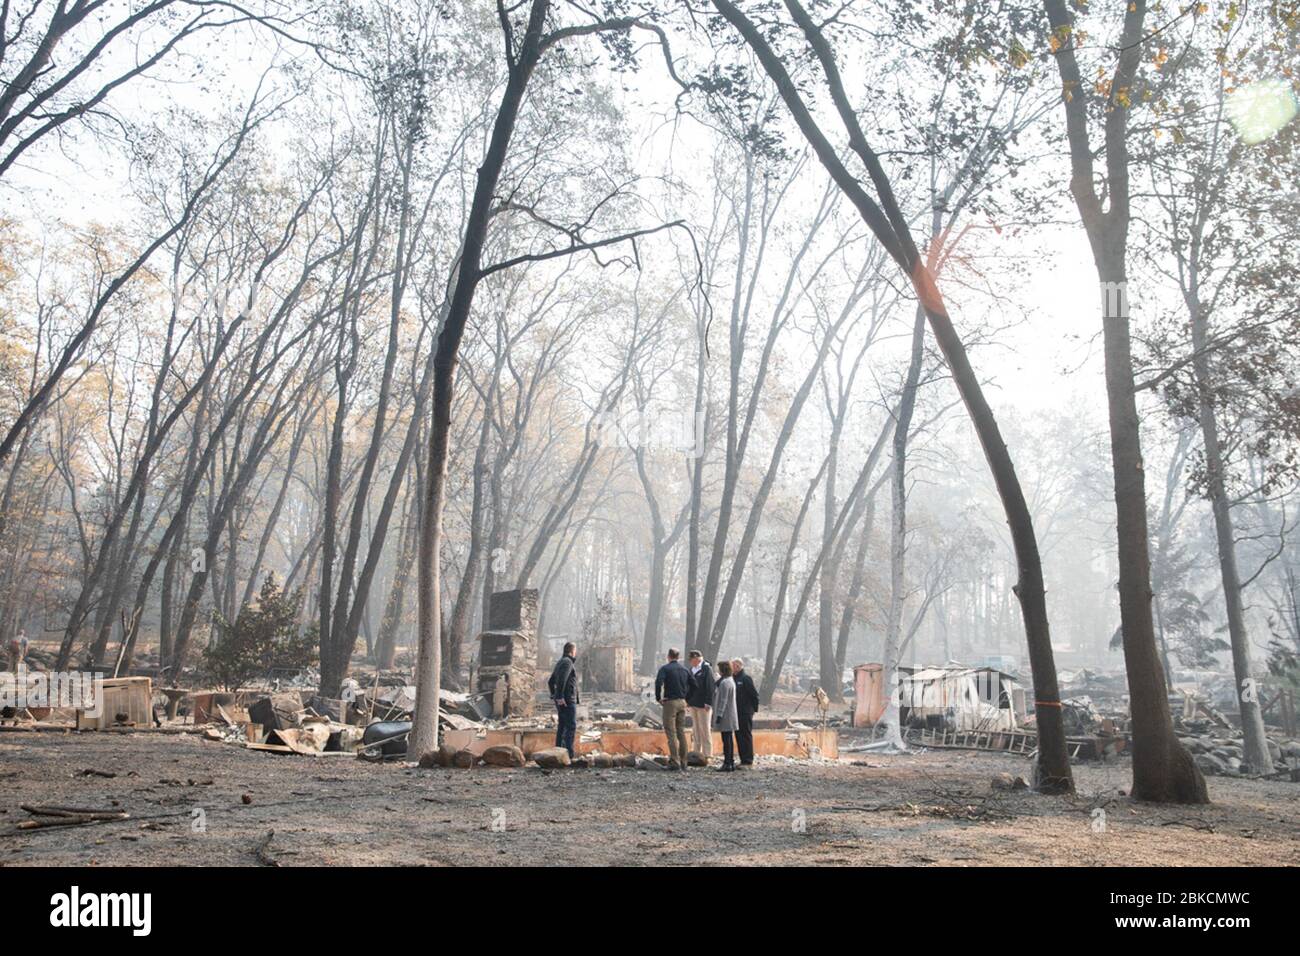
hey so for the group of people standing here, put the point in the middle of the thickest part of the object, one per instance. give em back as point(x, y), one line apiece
point(725, 702)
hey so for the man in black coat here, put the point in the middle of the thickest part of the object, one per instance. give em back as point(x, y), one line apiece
point(564, 692)
point(746, 707)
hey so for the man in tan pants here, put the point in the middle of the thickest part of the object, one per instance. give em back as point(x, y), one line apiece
point(700, 701)
point(672, 687)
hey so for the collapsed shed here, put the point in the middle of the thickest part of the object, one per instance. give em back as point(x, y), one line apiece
point(953, 697)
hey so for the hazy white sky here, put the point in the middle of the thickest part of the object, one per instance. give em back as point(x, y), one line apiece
point(1051, 359)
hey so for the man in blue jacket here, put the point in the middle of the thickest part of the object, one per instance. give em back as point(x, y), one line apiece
point(564, 692)
point(672, 687)
point(700, 702)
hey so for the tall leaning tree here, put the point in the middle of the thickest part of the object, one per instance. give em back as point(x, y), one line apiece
point(1163, 770)
point(884, 216)
point(529, 33)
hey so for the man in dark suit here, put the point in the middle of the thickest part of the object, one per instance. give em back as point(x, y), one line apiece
point(746, 707)
point(700, 703)
point(564, 692)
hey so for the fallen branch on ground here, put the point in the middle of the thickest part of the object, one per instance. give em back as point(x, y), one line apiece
point(67, 816)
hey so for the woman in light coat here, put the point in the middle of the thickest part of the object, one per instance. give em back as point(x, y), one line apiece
point(725, 718)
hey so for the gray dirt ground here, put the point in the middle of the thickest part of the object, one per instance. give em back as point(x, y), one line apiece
point(927, 808)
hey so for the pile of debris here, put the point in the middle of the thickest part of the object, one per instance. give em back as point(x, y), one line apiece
point(371, 718)
point(1223, 756)
point(371, 721)
point(392, 699)
point(279, 723)
point(1106, 693)
point(1080, 715)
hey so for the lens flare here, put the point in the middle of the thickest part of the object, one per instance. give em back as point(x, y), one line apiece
point(1259, 110)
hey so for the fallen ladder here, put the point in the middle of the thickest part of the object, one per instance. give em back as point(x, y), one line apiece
point(997, 741)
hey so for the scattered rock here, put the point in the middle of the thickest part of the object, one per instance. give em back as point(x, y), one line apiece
point(463, 759)
point(247, 798)
point(1004, 781)
point(446, 754)
point(504, 755)
point(696, 759)
point(1210, 764)
point(551, 758)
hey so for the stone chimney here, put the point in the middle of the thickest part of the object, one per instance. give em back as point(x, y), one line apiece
point(508, 650)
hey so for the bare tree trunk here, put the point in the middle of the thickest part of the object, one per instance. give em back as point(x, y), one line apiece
point(898, 534)
point(136, 486)
point(236, 476)
point(522, 61)
point(661, 544)
point(391, 622)
point(890, 228)
point(772, 662)
point(1255, 749)
point(732, 462)
point(428, 671)
point(273, 517)
point(651, 638)
point(693, 541)
point(1164, 542)
point(722, 614)
point(462, 610)
point(829, 676)
point(1163, 771)
point(855, 584)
